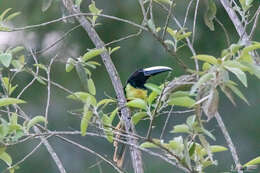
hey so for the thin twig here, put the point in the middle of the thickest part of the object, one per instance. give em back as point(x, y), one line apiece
point(76, 15)
point(110, 162)
point(167, 21)
point(187, 13)
point(33, 80)
point(225, 31)
point(166, 122)
point(194, 21)
point(229, 142)
point(48, 90)
point(57, 41)
point(124, 38)
point(255, 23)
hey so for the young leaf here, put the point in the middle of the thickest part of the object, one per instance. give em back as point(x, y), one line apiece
point(236, 91)
point(207, 58)
point(255, 161)
point(92, 53)
point(148, 145)
point(205, 78)
point(70, 64)
point(172, 32)
point(137, 103)
point(35, 120)
point(114, 49)
point(153, 87)
point(83, 76)
point(2, 16)
point(182, 101)
point(9, 101)
point(138, 116)
point(6, 158)
point(83, 96)
point(91, 87)
point(214, 149)
point(152, 96)
point(239, 74)
point(105, 102)
point(10, 17)
point(107, 127)
point(6, 59)
point(85, 121)
point(112, 116)
point(182, 128)
point(16, 50)
point(3, 28)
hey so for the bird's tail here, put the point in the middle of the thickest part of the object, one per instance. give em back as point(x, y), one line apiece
point(120, 148)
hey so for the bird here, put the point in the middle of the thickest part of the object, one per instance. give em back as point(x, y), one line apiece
point(134, 89)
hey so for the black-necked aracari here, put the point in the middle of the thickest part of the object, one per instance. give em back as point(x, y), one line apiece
point(135, 88)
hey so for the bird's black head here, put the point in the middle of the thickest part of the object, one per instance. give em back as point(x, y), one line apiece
point(139, 77)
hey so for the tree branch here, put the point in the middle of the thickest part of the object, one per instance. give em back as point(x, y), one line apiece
point(229, 142)
point(135, 154)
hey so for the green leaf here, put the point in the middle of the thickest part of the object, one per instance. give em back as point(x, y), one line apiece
point(210, 14)
point(6, 59)
point(255, 161)
point(3, 28)
point(164, 1)
point(239, 74)
point(10, 17)
point(16, 50)
point(41, 66)
point(182, 128)
point(107, 127)
point(235, 90)
point(182, 101)
point(235, 64)
point(46, 5)
point(83, 96)
point(91, 87)
point(105, 102)
point(114, 49)
point(148, 145)
point(2, 150)
point(191, 120)
point(70, 64)
point(205, 78)
point(138, 116)
point(214, 149)
point(180, 94)
point(152, 96)
point(2, 16)
point(83, 76)
point(153, 87)
point(151, 25)
point(208, 133)
point(92, 53)
point(35, 120)
point(177, 144)
point(9, 101)
point(40, 80)
point(245, 56)
point(207, 58)
point(172, 32)
point(85, 121)
point(137, 103)
point(246, 4)
point(6, 158)
point(113, 115)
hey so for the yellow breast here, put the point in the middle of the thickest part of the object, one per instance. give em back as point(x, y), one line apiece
point(132, 93)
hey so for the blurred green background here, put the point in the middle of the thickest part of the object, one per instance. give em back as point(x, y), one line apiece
point(242, 121)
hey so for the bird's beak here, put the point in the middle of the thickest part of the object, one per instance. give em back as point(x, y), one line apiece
point(151, 71)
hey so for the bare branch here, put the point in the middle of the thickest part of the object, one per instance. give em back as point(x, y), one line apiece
point(229, 142)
